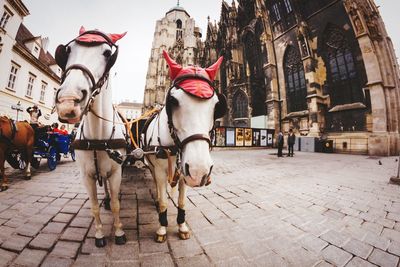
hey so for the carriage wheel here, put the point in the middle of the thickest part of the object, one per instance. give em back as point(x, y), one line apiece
point(22, 163)
point(52, 158)
point(72, 154)
point(35, 163)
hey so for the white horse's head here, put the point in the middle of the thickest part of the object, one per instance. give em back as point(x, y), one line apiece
point(86, 62)
point(192, 107)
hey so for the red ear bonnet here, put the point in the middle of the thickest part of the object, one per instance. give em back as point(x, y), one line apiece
point(82, 30)
point(115, 36)
point(174, 68)
point(95, 38)
point(213, 70)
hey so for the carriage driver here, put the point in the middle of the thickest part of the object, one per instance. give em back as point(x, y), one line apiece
point(35, 113)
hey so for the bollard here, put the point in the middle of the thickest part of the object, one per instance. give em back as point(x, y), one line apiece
point(396, 179)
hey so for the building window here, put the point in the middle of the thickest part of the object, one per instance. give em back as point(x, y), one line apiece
point(296, 90)
point(31, 81)
point(343, 80)
point(54, 95)
point(179, 32)
point(282, 15)
point(276, 12)
point(240, 105)
point(288, 6)
point(5, 18)
point(13, 77)
point(43, 91)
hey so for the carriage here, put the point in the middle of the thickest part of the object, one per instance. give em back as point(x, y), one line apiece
point(52, 146)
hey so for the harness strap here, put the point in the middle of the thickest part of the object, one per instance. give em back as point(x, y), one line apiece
point(96, 166)
point(98, 144)
point(194, 137)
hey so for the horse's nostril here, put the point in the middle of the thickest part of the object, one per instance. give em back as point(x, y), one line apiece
point(210, 170)
point(187, 172)
point(84, 94)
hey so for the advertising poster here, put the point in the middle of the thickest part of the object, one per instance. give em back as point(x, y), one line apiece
point(239, 136)
point(230, 137)
point(248, 137)
point(263, 137)
point(220, 136)
point(256, 137)
point(270, 139)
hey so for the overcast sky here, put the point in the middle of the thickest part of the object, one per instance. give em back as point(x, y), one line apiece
point(60, 20)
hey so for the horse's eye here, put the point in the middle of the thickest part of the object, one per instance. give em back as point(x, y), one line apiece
point(107, 53)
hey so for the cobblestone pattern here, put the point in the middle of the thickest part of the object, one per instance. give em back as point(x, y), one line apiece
point(310, 210)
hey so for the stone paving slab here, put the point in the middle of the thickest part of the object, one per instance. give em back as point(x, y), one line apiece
point(310, 210)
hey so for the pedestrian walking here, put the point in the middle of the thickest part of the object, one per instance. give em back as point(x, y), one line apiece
point(281, 141)
point(291, 141)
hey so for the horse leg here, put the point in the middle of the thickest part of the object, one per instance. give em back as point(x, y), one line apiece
point(28, 159)
point(107, 198)
point(115, 183)
point(183, 230)
point(161, 182)
point(4, 184)
point(90, 184)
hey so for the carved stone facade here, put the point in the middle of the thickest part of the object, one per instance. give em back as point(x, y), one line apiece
point(325, 68)
point(177, 34)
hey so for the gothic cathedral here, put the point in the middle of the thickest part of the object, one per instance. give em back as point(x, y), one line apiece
point(324, 68)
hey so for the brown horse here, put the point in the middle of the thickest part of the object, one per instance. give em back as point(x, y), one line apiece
point(22, 138)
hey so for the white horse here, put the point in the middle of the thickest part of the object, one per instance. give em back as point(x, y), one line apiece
point(85, 96)
point(184, 126)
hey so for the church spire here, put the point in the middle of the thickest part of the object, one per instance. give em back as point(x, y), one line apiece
point(177, 4)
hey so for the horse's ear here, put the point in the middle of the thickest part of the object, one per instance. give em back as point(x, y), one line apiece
point(115, 36)
point(82, 30)
point(174, 68)
point(212, 70)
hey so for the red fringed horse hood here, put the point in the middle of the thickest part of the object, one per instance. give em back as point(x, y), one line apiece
point(195, 87)
point(95, 38)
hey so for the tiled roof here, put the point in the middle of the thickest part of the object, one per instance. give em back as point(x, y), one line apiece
point(24, 35)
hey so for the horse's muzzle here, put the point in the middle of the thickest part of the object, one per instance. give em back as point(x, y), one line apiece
point(196, 180)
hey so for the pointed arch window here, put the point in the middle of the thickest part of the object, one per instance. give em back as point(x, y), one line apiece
point(240, 105)
point(179, 31)
point(296, 90)
point(344, 84)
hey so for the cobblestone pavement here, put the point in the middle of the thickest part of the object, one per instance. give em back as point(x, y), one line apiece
point(260, 210)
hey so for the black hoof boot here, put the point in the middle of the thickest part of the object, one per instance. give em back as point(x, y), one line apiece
point(100, 242)
point(120, 240)
point(107, 204)
point(3, 188)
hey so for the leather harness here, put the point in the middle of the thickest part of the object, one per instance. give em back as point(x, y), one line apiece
point(83, 143)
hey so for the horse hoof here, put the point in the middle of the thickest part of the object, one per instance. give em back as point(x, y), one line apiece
point(160, 238)
point(3, 188)
point(184, 235)
point(120, 240)
point(100, 242)
point(107, 204)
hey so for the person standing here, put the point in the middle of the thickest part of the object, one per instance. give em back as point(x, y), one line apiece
point(291, 141)
point(280, 143)
point(34, 113)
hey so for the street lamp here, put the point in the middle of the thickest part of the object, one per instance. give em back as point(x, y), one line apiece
point(18, 108)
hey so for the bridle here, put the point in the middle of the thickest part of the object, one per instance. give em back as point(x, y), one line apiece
point(173, 132)
point(61, 57)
